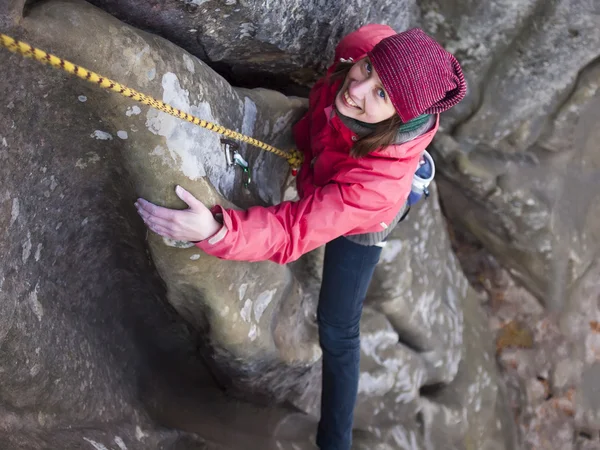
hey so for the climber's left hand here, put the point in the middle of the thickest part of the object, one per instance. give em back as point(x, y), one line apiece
point(193, 224)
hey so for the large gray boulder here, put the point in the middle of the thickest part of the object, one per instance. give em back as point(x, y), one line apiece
point(107, 345)
point(513, 150)
point(282, 41)
point(518, 160)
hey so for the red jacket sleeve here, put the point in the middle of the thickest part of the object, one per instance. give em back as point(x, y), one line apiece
point(284, 232)
point(356, 44)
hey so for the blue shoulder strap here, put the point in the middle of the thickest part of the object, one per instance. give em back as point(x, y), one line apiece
point(421, 179)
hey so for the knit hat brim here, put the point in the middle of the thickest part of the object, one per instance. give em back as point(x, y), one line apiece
point(419, 75)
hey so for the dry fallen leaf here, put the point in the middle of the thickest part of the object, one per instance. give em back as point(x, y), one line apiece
point(513, 335)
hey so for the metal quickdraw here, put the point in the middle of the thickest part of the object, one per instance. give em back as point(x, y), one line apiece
point(293, 157)
point(233, 157)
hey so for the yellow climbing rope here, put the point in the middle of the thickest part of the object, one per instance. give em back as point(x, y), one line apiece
point(294, 157)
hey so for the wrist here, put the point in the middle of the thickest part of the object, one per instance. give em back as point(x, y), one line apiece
point(213, 228)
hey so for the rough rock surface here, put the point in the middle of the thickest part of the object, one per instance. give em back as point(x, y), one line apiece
point(519, 166)
point(518, 150)
point(94, 351)
point(289, 38)
point(549, 357)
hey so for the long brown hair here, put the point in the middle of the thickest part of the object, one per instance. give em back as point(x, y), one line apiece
point(385, 131)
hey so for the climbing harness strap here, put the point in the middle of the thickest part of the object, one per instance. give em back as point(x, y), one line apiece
point(294, 157)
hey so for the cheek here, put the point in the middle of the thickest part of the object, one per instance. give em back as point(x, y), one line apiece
point(386, 112)
point(379, 113)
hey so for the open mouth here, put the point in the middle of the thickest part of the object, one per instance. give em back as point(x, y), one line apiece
point(348, 101)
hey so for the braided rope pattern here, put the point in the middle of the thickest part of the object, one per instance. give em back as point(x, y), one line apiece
point(294, 158)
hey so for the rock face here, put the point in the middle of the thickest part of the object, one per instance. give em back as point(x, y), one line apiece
point(114, 338)
point(518, 162)
point(288, 39)
point(521, 173)
point(522, 147)
point(108, 346)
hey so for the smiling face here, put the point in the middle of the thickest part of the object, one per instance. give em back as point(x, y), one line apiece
point(362, 96)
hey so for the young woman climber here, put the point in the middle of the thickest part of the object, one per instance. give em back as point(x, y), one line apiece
point(368, 124)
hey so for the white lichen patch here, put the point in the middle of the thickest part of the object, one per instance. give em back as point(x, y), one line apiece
point(35, 304)
point(35, 369)
point(26, 246)
point(122, 134)
point(139, 56)
point(139, 433)
point(159, 151)
point(254, 332)
point(14, 212)
point(406, 440)
point(249, 117)
point(4, 143)
point(189, 63)
point(190, 148)
point(133, 111)
point(82, 98)
point(282, 123)
point(433, 19)
point(425, 308)
point(408, 381)
point(101, 135)
point(151, 74)
point(396, 371)
point(92, 158)
point(96, 445)
point(376, 383)
point(38, 252)
point(120, 443)
point(177, 244)
point(262, 302)
point(391, 251)
point(224, 311)
point(371, 342)
point(195, 257)
point(476, 389)
point(246, 312)
point(242, 290)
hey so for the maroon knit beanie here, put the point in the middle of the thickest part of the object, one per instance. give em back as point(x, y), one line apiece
point(418, 74)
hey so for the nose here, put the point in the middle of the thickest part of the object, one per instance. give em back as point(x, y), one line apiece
point(359, 88)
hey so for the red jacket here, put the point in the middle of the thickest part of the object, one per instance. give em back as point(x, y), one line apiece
point(339, 195)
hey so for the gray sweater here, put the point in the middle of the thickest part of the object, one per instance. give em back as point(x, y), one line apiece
point(358, 128)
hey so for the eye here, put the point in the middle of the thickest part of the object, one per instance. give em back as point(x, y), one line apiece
point(381, 93)
point(368, 67)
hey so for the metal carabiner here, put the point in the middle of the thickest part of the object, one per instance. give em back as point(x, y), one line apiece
point(232, 157)
point(240, 161)
point(229, 147)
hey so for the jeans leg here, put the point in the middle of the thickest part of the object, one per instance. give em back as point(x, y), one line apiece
point(347, 272)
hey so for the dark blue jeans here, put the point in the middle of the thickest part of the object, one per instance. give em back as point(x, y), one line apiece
point(347, 272)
